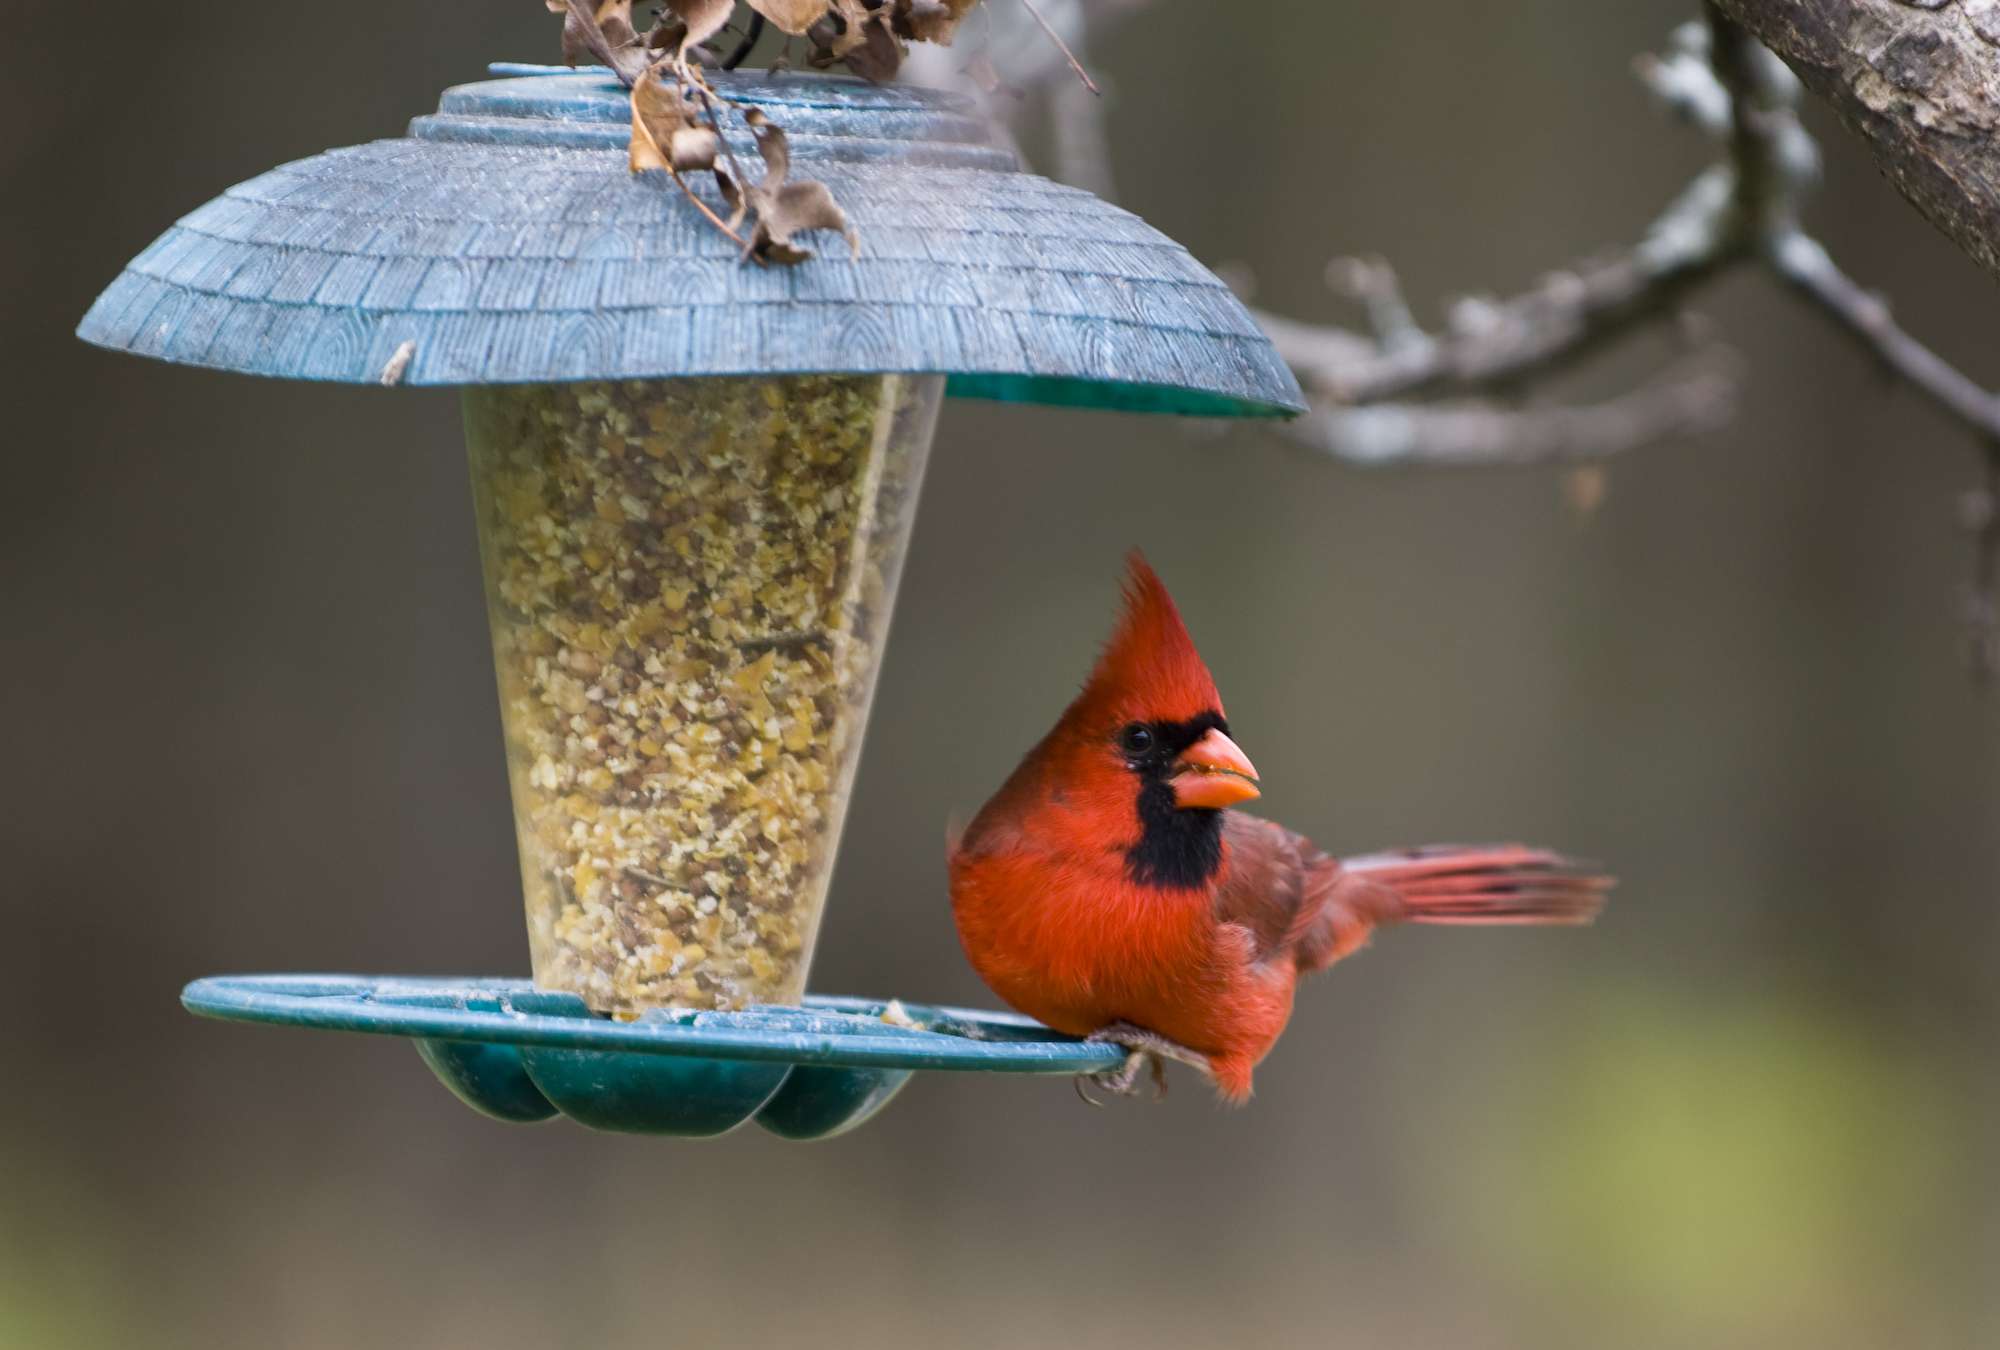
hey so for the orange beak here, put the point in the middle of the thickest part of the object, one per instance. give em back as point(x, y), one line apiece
point(1213, 772)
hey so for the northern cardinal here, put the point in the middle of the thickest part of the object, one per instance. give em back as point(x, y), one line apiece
point(1108, 891)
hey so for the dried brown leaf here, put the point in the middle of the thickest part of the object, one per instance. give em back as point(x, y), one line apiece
point(605, 35)
point(579, 25)
point(853, 15)
point(666, 131)
point(784, 208)
point(805, 205)
point(734, 198)
point(614, 17)
point(877, 55)
point(703, 18)
point(677, 135)
point(861, 38)
point(792, 16)
point(773, 145)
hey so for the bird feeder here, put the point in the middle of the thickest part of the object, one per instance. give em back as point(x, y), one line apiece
point(695, 479)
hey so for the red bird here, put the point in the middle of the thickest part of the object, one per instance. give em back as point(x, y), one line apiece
point(1106, 890)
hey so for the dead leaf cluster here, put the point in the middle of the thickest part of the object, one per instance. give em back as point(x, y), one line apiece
point(869, 36)
point(674, 132)
point(675, 118)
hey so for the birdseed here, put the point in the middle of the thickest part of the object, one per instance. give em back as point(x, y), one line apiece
point(689, 582)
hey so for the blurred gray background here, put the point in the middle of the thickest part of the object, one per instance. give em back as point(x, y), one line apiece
point(252, 726)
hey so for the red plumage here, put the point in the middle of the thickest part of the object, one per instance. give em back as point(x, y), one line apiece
point(1104, 890)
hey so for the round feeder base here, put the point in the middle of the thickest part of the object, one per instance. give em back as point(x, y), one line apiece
point(517, 1053)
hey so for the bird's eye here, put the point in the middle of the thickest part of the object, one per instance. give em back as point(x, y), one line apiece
point(1136, 739)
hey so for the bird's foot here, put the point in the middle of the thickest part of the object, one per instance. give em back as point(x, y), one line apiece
point(1146, 1055)
point(1123, 1081)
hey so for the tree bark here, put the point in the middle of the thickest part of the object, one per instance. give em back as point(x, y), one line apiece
point(1920, 81)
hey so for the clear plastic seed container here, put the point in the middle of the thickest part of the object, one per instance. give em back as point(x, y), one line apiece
point(689, 582)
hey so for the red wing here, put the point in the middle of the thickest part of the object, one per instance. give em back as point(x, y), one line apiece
point(1269, 885)
point(1296, 900)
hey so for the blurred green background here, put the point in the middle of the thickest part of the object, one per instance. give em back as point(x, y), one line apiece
point(252, 726)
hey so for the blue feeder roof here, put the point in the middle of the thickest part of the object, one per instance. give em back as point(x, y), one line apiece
point(505, 239)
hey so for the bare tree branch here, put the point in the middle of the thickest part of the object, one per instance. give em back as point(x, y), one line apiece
point(1763, 124)
point(1688, 400)
point(1570, 311)
point(1745, 210)
point(1919, 80)
point(1717, 222)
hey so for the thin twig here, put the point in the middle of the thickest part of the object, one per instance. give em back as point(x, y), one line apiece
point(706, 209)
point(1800, 261)
point(1061, 46)
point(1373, 284)
point(687, 188)
point(707, 98)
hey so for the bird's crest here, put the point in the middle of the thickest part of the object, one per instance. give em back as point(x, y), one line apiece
point(1150, 655)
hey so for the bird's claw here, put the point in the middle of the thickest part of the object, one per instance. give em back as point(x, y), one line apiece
point(1124, 1080)
point(1082, 1091)
point(1146, 1058)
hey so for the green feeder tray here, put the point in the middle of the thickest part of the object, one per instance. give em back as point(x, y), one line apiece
point(517, 1053)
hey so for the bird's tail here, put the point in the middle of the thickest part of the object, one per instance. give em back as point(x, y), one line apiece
point(1485, 883)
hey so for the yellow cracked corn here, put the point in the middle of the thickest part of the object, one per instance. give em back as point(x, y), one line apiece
point(689, 582)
